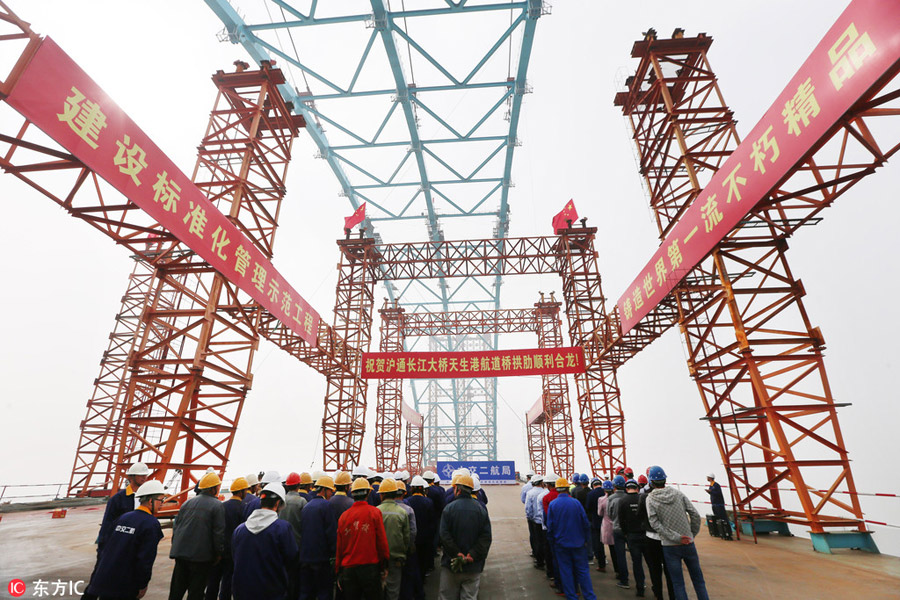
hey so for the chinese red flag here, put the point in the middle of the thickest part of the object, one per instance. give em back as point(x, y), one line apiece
point(356, 218)
point(566, 214)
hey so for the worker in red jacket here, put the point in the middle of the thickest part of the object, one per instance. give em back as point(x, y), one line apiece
point(362, 549)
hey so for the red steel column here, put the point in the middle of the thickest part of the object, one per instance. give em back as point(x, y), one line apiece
point(389, 394)
point(558, 420)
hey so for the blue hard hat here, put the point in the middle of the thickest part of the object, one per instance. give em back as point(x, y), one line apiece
point(608, 485)
point(585, 478)
point(632, 483)
point(619, 481)
point(596, 480)
point(656, 474)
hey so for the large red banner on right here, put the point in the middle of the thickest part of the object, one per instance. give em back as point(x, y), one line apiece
point(860, 47)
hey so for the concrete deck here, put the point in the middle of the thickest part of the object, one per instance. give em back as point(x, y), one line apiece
point(33, 546)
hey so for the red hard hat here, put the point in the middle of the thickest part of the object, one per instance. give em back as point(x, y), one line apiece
point(292, 479)
point(629, 472)
point(619, 470)
point(642, 479)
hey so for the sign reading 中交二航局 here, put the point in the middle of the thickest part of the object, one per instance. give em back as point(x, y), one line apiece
point(67, 105)
point(490, 472)
point(855, 53)
point(454, 365)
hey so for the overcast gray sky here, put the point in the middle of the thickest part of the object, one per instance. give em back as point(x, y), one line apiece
point(63, 281)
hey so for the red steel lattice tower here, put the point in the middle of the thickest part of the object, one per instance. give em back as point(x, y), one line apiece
point(555, 396)
point(390, 395)
point(344, 424)
point(537, 444)
point(415, 435)
point(752, 349)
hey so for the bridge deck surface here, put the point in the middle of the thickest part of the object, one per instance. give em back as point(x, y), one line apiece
point(33, 546)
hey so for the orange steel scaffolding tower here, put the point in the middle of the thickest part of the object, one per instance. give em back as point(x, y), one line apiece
point(390, 395)
point(752, 349)
point(537, 443)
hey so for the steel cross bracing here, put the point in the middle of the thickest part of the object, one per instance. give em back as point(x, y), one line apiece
point(542, 320)
point(756, 357)
point(410, 157)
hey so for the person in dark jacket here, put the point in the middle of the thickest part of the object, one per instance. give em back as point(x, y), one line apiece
point(620, 545)
point(264, 550)
point(593, 497)
point(198, 540)
point(319, 529)
point(570, 532)
point(717, 500)
point(549, 559)
point(581, 490)
point(125, 568)
point(251, 500)
point(341, 500)
point(426, 526)
point(435, 493)
point(375, 480)
point(361, 560)
point(466, 534)
point(630, 523)
point(120, 503)
point(219, 583)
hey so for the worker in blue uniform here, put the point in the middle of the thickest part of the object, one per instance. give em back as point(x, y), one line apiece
point(264, 550)
point(435, 493)
point(570, 532)
point(319, 544)
point(126, 565)
point(121, 502)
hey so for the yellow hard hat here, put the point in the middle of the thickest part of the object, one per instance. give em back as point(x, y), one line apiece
point(305, 478)
point(325, 482)
point(209, 480)
point(465, 480)
point(401, 485)
point(343, 478)
point(387, 486)
point(562, 482)
point(360, 484)
point(455, 479)
point(239, 484)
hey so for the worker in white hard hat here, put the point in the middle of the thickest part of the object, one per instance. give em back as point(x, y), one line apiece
point(717, 500)
point(436, 494)
point(125, 568)
point(426, 529)
point(264, 550)
point(198, 540)
point(527, 487)
point(120, 503)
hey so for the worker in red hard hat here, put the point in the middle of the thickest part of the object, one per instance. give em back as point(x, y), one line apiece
point(198, 540)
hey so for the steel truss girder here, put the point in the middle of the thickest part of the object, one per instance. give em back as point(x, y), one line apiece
point(753, 351)
point(537, 446)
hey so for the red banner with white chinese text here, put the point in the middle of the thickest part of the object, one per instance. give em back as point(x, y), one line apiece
point(860, 47)
point(66, 104)
point(463, 365)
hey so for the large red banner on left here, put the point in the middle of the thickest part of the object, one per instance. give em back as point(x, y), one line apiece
point(467, 365)
point(66, 104)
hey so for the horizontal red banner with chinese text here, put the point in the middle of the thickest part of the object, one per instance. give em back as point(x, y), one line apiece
point(57, 96)
point(856, 52)
point(462, 365)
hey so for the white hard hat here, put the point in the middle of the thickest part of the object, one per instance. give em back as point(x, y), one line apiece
point(252, 479)
point(210, 470)
point(404, 475)
point(550, 476)
point(537, 479)
point(360, 472)
point(529, 473)
point(465, 471)
point(151, 487)
point(317, 474)
point(386, 475)
point(272, 477)
point(477, 483)
point(418, 481)
point(138, 468)
point(711, 476)
point(275, 488)
point(428, 475)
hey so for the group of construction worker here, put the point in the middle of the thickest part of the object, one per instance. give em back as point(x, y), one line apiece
point(571, 520)
point(346, 536)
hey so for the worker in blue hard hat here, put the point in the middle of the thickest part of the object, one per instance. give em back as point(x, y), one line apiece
point(593, 498)
point(631, 526)
point(677, 522)
point(606, 527)
point(619, 541)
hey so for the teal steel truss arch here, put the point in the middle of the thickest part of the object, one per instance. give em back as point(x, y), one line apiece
point(422, 108)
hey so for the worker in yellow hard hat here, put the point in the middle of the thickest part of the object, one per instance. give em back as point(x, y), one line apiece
point(341, 500)
point(318, 546)
point(362, 547)
point(465, 533)
point(397, 528)
point(198, 539)
point(306, 482)
point(220, 578)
